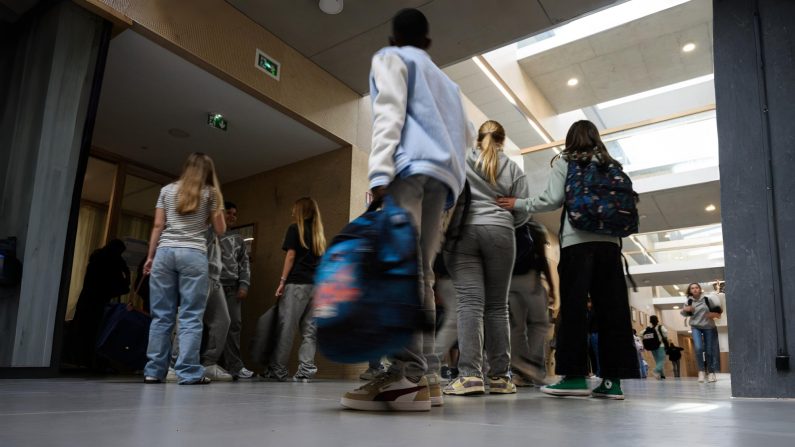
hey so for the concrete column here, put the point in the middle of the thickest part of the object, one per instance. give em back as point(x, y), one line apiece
point(43, 125)
point(754, 70)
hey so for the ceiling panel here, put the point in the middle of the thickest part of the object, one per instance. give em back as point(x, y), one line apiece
point(148, 90)
point(343, 44)
point(563, 10)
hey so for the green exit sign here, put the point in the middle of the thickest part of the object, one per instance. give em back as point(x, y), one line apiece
point(217, 120)
point(268, 64)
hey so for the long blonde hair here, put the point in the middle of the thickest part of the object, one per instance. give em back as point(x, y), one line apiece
point(491, 137)
point(306, 208)
point(198, 172)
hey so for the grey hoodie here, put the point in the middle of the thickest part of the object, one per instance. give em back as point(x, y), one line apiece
point(510, 183)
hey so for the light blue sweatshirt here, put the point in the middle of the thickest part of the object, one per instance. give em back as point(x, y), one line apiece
point(419, 123)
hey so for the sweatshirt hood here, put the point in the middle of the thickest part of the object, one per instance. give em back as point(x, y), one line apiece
point(472, 160)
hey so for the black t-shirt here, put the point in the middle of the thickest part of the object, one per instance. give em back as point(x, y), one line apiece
point(303, 271)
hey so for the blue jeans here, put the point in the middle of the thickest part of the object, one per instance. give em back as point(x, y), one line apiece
point(706, 341)
point(178, 278)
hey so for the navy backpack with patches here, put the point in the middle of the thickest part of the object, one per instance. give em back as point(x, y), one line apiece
point(600, 199)
point(366, 298)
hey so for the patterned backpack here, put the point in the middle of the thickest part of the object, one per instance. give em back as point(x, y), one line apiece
point(600, 199)
point(366, 299)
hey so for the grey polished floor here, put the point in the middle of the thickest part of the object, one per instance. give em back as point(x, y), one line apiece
point(120, 413)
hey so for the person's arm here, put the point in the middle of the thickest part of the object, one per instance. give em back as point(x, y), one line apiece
point(289, 261)
point(243, 270)
point(217, 219)
point(549, 200)
point(390, 99)
point(154, 239)
point(519, 189)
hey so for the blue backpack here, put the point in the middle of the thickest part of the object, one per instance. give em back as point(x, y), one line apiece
point(600, 199)
point(366, 298)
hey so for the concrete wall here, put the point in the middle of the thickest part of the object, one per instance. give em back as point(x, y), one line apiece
point(266, 200)
point(755, 110)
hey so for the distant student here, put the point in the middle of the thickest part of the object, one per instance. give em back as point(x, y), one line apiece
point(420, 136)
point(304, 244)
point(703, 311)
point(235, 281)
point(177, 263)
point(590, 265)
point(655, 340)
point(675, 356)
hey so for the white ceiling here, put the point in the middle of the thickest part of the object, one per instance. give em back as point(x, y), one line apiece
point(148, 90)
point(343, 44)
point(632, 58)
point(482, 92)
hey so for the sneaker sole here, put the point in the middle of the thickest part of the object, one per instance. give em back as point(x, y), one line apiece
point(371, 405)
point(566, 393)
point(222, 379)
point(471, 391)
point(437, 401)
point(503, 391)
point(607, 396)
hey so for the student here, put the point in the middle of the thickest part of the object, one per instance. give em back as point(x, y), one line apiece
point(305, 243)
point(177, 263)
point(420, 136)
point(235, 281)
point(216, 315)
point(528, 303)
point(659, 352)
point(481, 264)
point(703, 311)
point(675, 355)
point(590, 265)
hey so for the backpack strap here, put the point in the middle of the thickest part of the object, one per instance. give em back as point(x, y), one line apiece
point(626, 265)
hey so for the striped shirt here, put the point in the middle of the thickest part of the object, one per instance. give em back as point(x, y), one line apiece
point(185, 230)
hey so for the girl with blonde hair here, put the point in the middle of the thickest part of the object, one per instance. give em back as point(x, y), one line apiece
point(481, 264)
point(304, 243)
point(177, 264)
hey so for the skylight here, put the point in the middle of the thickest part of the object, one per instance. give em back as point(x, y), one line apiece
point(656, 91)
point(592, 24)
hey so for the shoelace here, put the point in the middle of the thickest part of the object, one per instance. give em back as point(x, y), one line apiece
point(378, 381)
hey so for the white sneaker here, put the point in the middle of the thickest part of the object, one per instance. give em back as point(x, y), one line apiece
point(711, 378)
point(701, 376)
point(171, 377)
point(217, 374)
point(245, 373)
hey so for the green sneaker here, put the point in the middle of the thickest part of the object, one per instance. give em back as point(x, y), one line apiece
point(609, 389)
point(569, 386)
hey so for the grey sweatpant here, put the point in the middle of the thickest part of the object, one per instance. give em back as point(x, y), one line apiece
point(481, 264)
point(216, 325)
point(424, 199)
point(527, 301)
point(448, 330)
point(232, 356)
point(295, 309)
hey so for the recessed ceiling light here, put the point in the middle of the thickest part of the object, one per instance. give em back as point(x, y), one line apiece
point(178, 133)
point(331, 6)
point(572, 82)
point(710, 208)
point(690, 46)
point(676, 307)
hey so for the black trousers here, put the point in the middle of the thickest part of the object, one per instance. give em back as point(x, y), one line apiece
point(594, 269)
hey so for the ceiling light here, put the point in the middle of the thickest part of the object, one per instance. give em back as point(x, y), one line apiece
point(676, 287)
point(178, 133)
point(676, 307)
point(690, 46)
point(656, 91)
point(710, 208)
point(572, 82)
point(330, 6)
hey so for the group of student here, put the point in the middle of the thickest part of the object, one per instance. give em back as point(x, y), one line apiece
point(199, 276)
point(424, 151)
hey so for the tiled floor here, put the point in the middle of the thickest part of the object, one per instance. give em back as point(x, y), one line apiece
point(120, 413)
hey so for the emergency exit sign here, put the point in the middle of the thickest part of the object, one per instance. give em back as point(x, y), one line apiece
point(268, 64)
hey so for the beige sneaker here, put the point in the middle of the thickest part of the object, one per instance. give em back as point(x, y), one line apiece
point(711, 377)
point(465, 386)
point(701, 376)
point(390, 392)
point(501, 385)
point(435, 390)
